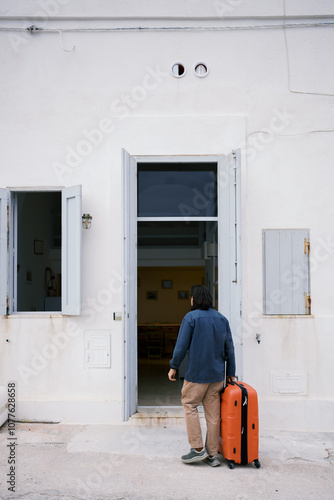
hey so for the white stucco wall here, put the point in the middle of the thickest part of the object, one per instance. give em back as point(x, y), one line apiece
point(120, 83)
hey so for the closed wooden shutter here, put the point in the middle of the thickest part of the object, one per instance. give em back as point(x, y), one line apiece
point(286, 271)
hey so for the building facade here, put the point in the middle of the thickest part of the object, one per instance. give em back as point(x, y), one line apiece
point(199, 137)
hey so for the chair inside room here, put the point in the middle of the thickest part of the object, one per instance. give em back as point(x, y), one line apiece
point(155, 344)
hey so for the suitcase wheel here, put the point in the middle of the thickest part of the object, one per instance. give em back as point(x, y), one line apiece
point(257, 464)
point(230, 463)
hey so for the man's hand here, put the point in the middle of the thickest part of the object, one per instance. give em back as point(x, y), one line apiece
point(230, 379)
point(172, 375)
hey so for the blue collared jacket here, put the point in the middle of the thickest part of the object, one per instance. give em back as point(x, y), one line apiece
point(207, 337)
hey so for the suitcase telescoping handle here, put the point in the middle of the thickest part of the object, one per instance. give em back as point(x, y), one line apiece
point(225, 377)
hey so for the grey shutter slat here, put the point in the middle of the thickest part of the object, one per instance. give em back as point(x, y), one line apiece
point(71, 250)
point(3, 251)
point(286, 271)
point(271, 272)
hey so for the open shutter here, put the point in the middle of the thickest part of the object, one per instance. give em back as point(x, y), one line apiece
point(130, 283)
point(3, 251)
point(286, 271)
point(71, 250)
point(229, 247)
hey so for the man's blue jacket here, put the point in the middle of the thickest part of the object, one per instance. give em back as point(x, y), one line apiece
point(207, 337)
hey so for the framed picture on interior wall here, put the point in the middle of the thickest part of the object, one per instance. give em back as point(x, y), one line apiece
point(38, 247)
point(151, 295)
point(166, 284)
point(182, 295)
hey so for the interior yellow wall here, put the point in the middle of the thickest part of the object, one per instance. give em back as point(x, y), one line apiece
point(167, 308)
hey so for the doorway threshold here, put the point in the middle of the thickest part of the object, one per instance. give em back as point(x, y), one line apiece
point(160, 415)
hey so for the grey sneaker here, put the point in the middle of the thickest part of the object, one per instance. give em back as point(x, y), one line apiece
point(212, 461)
point(194, 456)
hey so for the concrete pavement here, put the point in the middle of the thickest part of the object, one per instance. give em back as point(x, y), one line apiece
point(142, 462)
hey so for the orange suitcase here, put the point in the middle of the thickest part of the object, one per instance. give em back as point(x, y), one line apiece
point(239, 441)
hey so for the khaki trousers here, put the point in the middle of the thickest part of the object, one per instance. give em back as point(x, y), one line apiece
point(192, 396)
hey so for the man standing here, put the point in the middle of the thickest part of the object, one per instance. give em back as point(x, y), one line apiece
point(206, 334)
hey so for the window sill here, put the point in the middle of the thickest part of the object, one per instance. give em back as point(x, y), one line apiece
point(34, 315)
point(286, 316)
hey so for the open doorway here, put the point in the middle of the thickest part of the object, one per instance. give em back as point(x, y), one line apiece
point(181, 214)
point(172, 256)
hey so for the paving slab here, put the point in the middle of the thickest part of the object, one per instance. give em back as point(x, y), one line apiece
point(142, 462)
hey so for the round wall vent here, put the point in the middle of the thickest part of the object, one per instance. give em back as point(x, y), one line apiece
point(201, 69)
point(178, 70)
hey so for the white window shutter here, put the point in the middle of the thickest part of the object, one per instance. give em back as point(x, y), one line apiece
point(286, 271)
point(3, 251)
point(71, 250)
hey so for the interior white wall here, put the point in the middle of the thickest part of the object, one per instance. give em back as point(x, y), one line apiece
point(52, 100)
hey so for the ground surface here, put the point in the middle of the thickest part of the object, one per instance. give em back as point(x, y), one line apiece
point(128, 462)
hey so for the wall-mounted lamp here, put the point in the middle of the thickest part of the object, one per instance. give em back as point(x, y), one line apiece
point(86, 221)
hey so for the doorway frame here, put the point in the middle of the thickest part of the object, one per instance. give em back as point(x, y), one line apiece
point(229, 270)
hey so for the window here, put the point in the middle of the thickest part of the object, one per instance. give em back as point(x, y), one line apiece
point(43, 266)
point(177, 190)
point(286, 271)
point(169, 234)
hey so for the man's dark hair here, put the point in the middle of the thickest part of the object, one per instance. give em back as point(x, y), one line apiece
point(201, 297)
